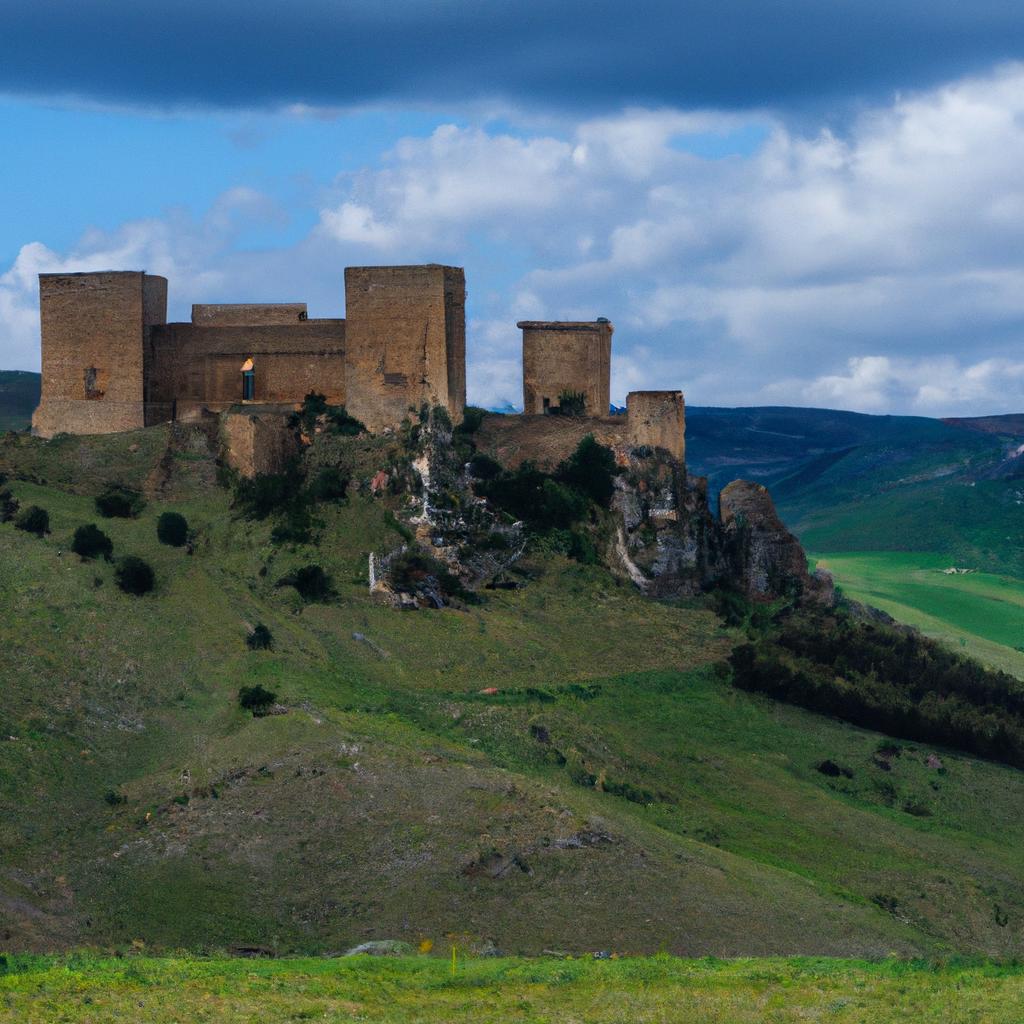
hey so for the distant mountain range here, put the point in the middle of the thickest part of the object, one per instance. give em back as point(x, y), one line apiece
point(844, 481)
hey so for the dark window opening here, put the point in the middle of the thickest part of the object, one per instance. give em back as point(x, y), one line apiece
point(248, 385)
point(398, 379)
point(92, 388)
point(547, 405)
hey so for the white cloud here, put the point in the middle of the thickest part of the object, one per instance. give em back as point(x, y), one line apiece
point(877, 267)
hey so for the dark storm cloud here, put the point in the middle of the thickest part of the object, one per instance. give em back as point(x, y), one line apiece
point(566, 53)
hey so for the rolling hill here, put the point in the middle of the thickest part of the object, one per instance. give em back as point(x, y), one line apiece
point(561, 766)
point(19, 396)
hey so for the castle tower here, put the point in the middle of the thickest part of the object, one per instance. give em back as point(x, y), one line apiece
point(94, 329)
point(405, 341)
point(566, 356)
point(657, 419)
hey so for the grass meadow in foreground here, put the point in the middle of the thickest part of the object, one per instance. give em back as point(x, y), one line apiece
point(425, 989)
point(980, 613)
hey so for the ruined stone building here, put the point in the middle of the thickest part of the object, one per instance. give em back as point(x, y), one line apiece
point(111, 361)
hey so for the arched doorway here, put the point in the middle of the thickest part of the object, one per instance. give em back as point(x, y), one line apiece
point(248, 381)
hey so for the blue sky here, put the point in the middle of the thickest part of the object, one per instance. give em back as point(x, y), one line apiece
point(775, 203)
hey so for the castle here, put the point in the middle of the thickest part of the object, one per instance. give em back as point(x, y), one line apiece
point(111, 362)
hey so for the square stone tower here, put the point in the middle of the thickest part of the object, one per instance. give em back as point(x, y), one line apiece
point(657, 419)
point(405, 341)
point(94, 329)
point(562, 356)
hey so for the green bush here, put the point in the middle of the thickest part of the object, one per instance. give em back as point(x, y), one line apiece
point(172, 529)
point(256, 699)
point(472, 418)
point(90, 541)
point(570, 403)
point(885, 679)
point(33, 520)
point(329, 484)
point(338, 421)
point(295, 526)
point(134, 576)
point(418, 573)
point(311, 583)
point(264, 495)
point(117, 501)
point(8, 506)
point(483, 467)
point(590, 470)
point(260, 639)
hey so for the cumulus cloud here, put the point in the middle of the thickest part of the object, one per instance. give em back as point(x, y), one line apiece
point(876, 266)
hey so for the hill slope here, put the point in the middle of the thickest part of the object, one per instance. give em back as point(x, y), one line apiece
point(614, 792)
point(19, 396)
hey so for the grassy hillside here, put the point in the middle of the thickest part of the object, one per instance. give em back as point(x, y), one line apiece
point(980, 613)
point(614, 793)
point(19, 396)
point(642, 991)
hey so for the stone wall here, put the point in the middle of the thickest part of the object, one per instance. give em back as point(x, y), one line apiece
point(93, 333)
point(657, 419)
point(196, 367)
point(257, 443)
point(248, 314)
point(405, 341)
point(561, 356)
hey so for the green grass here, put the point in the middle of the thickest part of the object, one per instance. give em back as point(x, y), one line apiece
point(425, 989)
point(615, 793)
point(981, 614)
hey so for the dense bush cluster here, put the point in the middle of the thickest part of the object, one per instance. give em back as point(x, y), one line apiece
point(256, 699)
point(8, 503)
point(172, 529)
point(134, 576)
point(33, 519)
point(90, 541)
point(311, 582)
point(417, 572)
point(555, 506)
point(882, 678)
point(118, 501)
point(333, 418)
point(260, 639)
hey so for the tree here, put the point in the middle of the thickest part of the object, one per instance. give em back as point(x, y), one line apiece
point(33, 520)
point(91, 542)
point(172, 529)
point(134, 576)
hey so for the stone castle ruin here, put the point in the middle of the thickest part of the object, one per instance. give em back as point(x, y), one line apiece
point(111, 362)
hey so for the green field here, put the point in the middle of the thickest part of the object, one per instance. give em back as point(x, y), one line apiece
point(980, 613)
point(584, 991)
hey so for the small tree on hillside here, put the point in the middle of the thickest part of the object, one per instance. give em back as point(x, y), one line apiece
point(8, 506)
point(172, 529)
point(117, 501)
point(33, 520)
point(134, 576)
point(91, 542)
point(260, 639)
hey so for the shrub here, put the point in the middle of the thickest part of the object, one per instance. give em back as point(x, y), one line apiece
point(570, 403)
point(338, 421)
point(117, 501)
point(417, 572)
point(172, 529)
point(472, 418)
point(256, 699)
point(113, 798)
point(8, 506)
point(329, 484)
point(260, 639)
point(134, 576)
point(483, 467)
point(296, 527)
point(263, 495)
point(33, 520)
point(311, 582)
point(591, 470)
point(91, 542)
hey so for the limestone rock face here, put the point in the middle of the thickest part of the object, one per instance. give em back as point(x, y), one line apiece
point(765, 559)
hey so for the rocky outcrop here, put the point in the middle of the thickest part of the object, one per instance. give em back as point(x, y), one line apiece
point(764, 559)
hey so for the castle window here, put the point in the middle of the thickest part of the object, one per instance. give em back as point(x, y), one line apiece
point(248, 381)
point(93, 386)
